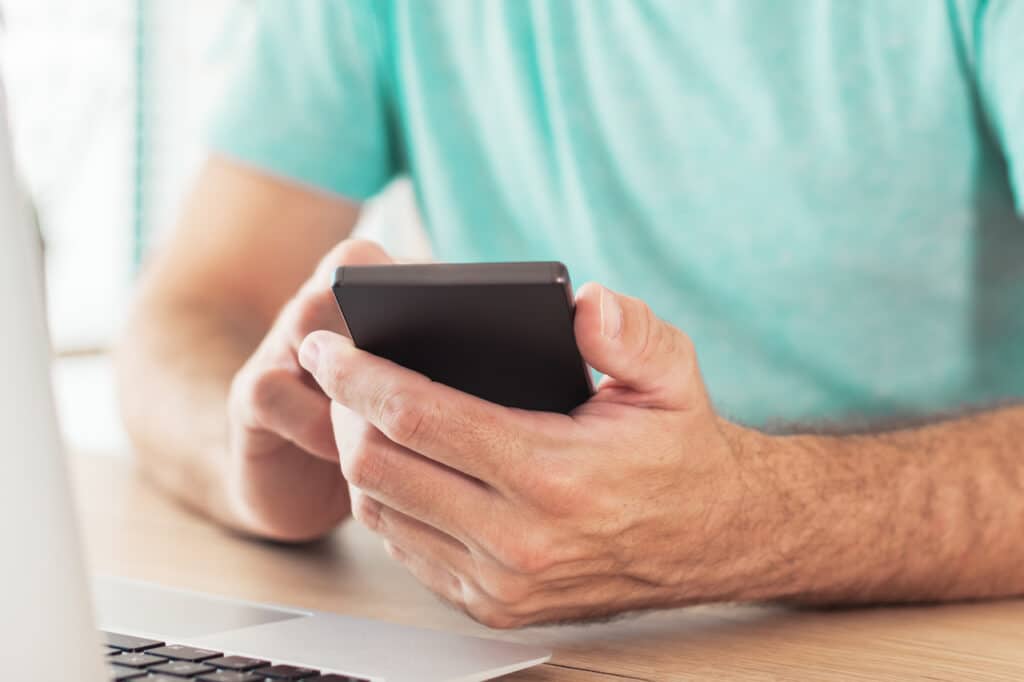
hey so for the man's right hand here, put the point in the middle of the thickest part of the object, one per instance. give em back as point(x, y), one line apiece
point(283, 480)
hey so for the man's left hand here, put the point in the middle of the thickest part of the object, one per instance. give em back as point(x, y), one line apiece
point(643, 497)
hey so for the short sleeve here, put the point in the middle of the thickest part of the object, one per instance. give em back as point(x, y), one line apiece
point(305, 98)
point(1000, 55)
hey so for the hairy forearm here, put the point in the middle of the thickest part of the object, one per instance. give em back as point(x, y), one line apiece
point(923, 514)
point(174, 369)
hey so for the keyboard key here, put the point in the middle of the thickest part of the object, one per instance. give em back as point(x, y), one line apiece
point(285, 672)
point(336, 678)
point(237, 662)
point(180, 652)
point(116, 673)
point(181, 668)
point(160, 678)
point(231, 676)
point(129, 643)
point(136, 660)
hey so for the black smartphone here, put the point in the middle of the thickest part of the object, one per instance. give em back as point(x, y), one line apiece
point(500, 331)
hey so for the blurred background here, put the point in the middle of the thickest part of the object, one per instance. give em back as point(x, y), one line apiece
point(108, 101)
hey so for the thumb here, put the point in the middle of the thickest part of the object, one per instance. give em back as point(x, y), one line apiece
point(623, 339)
point(314, 307)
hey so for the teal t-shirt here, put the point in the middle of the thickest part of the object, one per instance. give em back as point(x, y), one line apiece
point(821, 193)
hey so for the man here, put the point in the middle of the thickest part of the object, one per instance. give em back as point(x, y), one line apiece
point(799, 213)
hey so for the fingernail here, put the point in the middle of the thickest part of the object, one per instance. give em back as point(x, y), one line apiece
point(611, 314)
point(309, 355)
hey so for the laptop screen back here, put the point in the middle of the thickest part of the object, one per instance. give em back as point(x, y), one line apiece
point(43, 586)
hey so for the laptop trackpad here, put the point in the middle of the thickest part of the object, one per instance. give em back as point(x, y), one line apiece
point(142, 609)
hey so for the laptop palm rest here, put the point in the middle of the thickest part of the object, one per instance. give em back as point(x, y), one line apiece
point(136, 608)
point(355, 646)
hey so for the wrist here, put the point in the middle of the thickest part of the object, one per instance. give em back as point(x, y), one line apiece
point(781, 526)
point(824, 515)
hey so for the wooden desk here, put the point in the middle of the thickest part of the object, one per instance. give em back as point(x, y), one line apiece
point(132, 531)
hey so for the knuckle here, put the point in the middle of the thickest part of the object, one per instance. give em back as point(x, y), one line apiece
point(394, 551)
point(653, 339)
point(362, 465)
point(289, 312)
point(492, 614)
point(559, 489)
point(309, 314)
point(367, 511)
point(297, 318)
point(683, 345)
point(265, 391)
point(350, 429)
point(674, 341)
point(658, 337)
point(333, 376)
point(509, 590)
point(526, 554)
point(356, 251)
point(402, 418)
point(651, 336)
point(353, 252)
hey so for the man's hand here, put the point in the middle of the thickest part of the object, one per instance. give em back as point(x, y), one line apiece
point(644, 497)
point(636, 500)
point(283, 478)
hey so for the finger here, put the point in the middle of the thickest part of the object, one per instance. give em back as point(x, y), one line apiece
point(279, 402)
point(410, 483)
point(347, 252)
point(415, 537)
point(622, 338)
point(441, 582)
point(290, 496)
point(486, 441)
point(314, 306)
point(433, 493)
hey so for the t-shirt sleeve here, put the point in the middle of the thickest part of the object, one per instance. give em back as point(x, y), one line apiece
point(305, 98)
point(1001, 73)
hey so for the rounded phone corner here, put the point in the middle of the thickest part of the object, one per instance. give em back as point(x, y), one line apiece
point(339, 277)
point(560, 273)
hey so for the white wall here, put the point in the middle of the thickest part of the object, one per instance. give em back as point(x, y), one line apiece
point(69, 72)
point(70, 69)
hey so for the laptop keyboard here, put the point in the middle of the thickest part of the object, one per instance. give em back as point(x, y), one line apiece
point(150, 660)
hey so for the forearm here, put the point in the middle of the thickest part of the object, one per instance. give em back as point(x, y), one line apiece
point(174, 370)
point(931, 513)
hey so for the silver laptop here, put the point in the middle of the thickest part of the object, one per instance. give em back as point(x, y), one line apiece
point(48, 628)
